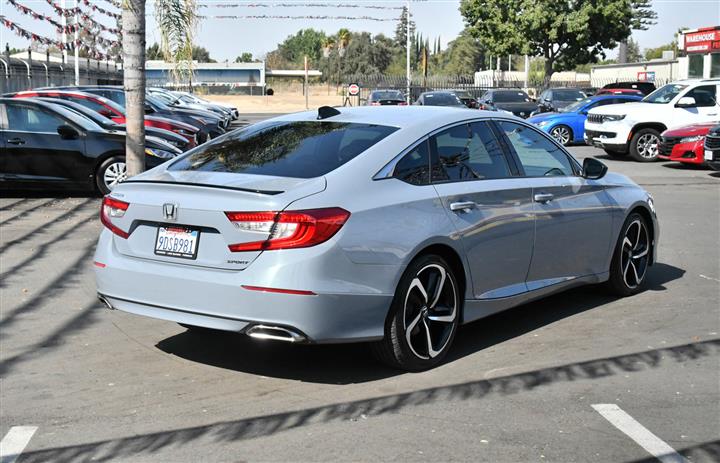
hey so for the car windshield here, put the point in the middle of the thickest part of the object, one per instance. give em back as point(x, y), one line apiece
point(157, 102)
point(575, 107)
point(441, 99)
point(387, 95)
point(568, 95)
point(285, 149)
point(665, 94)
point(510, 97)
point(463, 95)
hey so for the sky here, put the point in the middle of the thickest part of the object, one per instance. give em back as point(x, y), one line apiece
point(226, 39)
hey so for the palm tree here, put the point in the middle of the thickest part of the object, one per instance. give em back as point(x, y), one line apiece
point(176, 20)
point(328, 45)
point(343, 40)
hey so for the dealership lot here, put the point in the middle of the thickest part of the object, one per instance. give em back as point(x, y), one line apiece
point(548, 381)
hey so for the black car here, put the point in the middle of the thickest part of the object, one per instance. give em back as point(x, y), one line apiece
point(712, 148)
point(554, 99)
point(44, 145)
point(645, 87)
point(174, 139)
point(440, 98)
point(514, 101)
point(210, 124)
point(386, 98)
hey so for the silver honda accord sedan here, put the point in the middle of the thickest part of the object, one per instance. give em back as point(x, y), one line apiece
point(391, 225)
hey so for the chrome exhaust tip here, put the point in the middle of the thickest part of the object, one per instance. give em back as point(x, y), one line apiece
point(105, 301)
point(275, 333)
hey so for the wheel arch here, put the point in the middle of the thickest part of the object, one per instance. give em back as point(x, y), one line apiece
point(647, 215)
point(659, 126)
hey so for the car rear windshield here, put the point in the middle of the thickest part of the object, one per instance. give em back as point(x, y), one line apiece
point(510, 97)
point(441, 99)
point(387, 95)
point(285, 148)
point(568, 95)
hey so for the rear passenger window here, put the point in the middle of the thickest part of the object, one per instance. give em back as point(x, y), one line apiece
point(538, 156)
point(414, 167)
point(468, 152)
point(26, 119)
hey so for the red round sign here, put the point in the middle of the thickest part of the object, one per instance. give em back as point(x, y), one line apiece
point(353, 89)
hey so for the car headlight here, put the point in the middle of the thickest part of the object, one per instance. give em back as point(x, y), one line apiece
point(543, 123)
point(613, 117)
point(158, 153)
point(691, 139)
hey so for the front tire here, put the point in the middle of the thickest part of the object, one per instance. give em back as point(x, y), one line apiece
point(424, 316)
point(563, 134)
point(644, 145)
point(111, 172)
point(631, 258)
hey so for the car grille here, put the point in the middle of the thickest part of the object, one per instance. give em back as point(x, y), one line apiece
point(712, 142)
point(595, 118)
point(667, 144)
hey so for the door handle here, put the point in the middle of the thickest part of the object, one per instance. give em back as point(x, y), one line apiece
point(16, 141)
point(462, 205)
point(543, 197)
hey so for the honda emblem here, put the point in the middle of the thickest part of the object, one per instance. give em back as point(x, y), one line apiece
point(170, 211)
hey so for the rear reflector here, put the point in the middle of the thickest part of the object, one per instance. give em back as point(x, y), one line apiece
point(263, 289)
point(288, 229)
point(113, 208)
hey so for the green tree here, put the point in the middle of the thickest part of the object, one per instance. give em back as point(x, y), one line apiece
point(245, 58)
point(305, 42)
point(633, 51)
point(153, 52)
point(401, 29)
point(201, 55)
point(564, 33)
point(463, 56)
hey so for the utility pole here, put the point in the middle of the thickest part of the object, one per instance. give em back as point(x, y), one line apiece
point(307, 90)
point(407, 51)
point(64, 34)
point(76, 47)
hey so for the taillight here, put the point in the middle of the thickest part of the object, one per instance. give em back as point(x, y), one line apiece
point(402, 103)
point(112, 209)
point(289, 229)
point(374, 103)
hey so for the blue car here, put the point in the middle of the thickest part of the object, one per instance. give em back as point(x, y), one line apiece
point(568, 125)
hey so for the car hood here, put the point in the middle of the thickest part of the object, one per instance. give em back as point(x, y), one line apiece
point(622, 108)
point(551, 117)
point(173, 122)
point(690, 130)
point(517, 107)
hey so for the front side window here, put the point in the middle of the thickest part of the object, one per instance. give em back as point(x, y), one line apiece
point(705, 95)
point(285, 148)
point(27, 119)
point(414, 167)
point(538, 156)
point(468, 152)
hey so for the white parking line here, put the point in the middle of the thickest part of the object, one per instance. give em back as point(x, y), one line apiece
point(637, 432)
point(15, 442)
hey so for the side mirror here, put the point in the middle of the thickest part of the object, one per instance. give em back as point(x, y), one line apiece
point(593, 169)
point(686, 102)
point(149, 109)
point(67, 133)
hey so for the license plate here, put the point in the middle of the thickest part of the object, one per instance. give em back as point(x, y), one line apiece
point(177, 242)
point(708, 155)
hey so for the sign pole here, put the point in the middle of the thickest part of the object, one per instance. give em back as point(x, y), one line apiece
point(307, 90)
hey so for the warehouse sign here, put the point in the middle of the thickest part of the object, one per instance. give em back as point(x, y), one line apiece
point(703, 40)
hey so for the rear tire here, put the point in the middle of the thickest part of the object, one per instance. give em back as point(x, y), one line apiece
point(424, 316)
point(111, 172)
point(644, 145)
point(631, 257)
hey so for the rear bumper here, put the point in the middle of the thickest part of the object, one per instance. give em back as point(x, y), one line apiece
point(215, 298)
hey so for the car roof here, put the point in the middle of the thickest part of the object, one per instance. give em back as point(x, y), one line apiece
point(397, 116)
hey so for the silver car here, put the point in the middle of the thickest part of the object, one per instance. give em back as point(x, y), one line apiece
point(391, 225)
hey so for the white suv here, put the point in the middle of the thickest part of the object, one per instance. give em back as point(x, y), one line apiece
point(635, 128)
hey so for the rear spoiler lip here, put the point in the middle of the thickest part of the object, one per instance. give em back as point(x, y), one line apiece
point(207, 185)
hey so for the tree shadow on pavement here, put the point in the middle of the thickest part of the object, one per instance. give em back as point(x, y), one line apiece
point(145, 446)
point(352, 363)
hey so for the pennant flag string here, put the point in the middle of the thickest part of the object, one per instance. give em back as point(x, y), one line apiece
point(69, 28)
point(294, 5)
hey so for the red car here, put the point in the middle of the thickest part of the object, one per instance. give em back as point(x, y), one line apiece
point(112, 110)
point(619, 91)
point(685, 144)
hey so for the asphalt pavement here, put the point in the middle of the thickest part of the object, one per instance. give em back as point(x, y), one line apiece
point(580, 376)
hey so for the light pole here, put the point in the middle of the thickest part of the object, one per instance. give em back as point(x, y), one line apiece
point(407, 51)
point(76, 47)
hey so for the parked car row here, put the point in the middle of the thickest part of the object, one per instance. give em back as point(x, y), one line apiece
point(74, 137)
